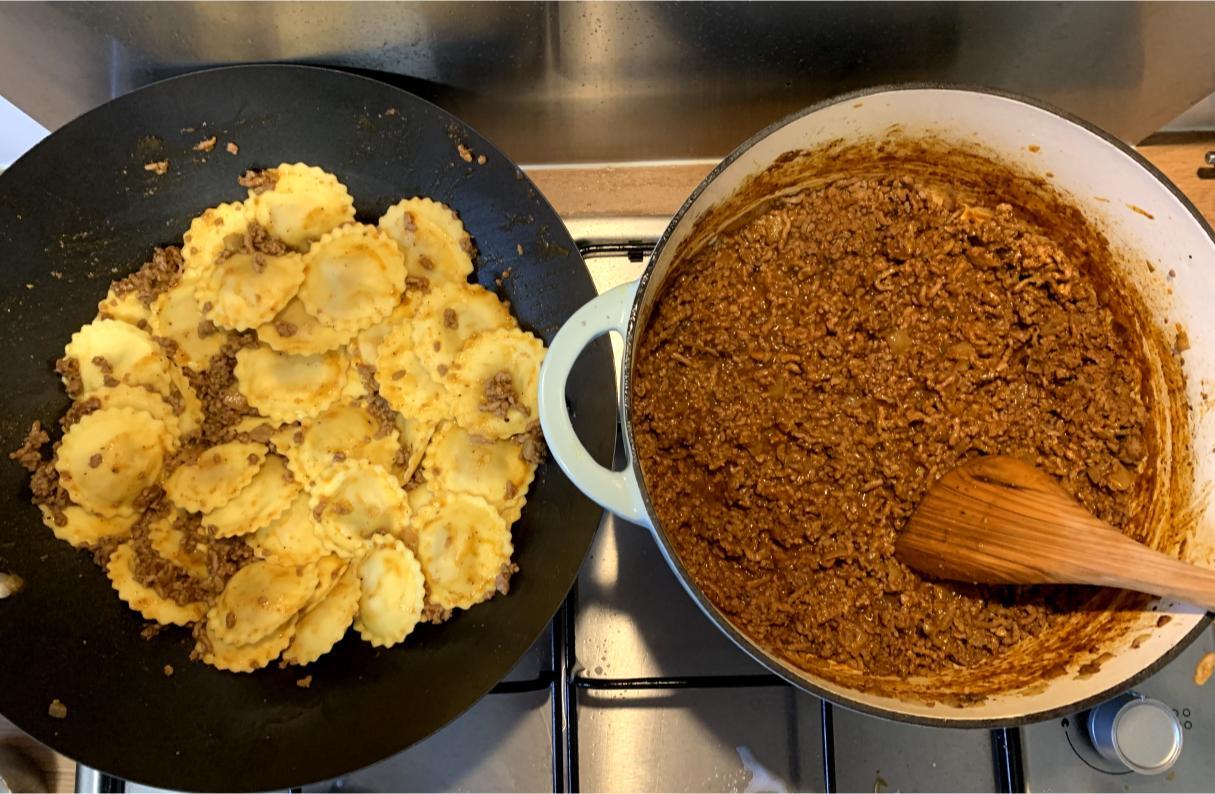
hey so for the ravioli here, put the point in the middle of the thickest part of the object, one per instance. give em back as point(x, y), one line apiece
point(450, 315)
point(344, 431)
point(393, 593)
point(367, 343)
point(359, 465)
point(494, 383)
point(139, 398)
point(264, 499)
point(109, 457)
point(285, 387)
point(322, 626)
point(244, 658)
point(83, 528)
point(463, 546)
point(414, 434)
point(126, 307)
point(209, 235)
point(405, 383)
point(111, 352)
point(177, 315)
point(355, 499)
point(168, 541)
point(494, 469)
point(290, 539)
point(293, 330)
point(432, 239)
point(353, 278)
point(245, 288)
point(304, 204)
point(259, 599)
point(216, 477)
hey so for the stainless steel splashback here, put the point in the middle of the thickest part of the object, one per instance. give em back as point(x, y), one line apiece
point(588, 82)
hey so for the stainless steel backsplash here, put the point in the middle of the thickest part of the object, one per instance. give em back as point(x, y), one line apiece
point(587, 82)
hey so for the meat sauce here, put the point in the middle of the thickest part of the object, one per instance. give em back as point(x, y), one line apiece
point(808, 374)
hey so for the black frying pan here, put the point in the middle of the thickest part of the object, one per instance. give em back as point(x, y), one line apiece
point(81, 204)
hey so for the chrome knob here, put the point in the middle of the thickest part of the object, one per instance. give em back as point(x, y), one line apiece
point(1142, 734)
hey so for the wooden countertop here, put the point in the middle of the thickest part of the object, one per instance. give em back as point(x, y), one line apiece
point(661, 189)
point(608, 191)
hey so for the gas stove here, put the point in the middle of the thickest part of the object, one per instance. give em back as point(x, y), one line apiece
point(632, 689)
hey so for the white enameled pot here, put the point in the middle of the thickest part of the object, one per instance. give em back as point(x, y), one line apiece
point(1164, 249)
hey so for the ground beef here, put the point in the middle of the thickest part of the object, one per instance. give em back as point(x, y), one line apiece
point(185, 454)
point(259, 240)
point(77, 411)
point(256, 241)
point(151, 630)
point(534, 450)
point(215, 387)
point(376, 405)
point(29, 454)
point(48, 492)
point(259, 181)
point(416, 479)
point(202, 643)
point(432, 613)
point(501, 397)
point(502, 580)
point(101, 551)
point(224, 558)
point(69, 370)
point(159, 274)
point(152, 570)
point(169, 346)
point(285, 329)
point(466, 245)
point(417, 283)
point(805, 377)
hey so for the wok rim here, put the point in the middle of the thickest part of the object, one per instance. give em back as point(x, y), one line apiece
point(559, 231)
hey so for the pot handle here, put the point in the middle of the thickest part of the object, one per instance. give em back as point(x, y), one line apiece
point(616, 491)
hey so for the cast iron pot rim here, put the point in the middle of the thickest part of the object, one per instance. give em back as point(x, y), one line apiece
point(774, 664)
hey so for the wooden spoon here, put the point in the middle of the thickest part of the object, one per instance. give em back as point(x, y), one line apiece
point(999, 520)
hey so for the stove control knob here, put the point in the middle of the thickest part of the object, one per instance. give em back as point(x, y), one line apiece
point(1142, 734)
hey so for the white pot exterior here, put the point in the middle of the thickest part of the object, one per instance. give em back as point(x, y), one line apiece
point(1104, 180)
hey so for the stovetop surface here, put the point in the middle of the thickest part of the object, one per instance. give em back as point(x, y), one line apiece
point(632, 688)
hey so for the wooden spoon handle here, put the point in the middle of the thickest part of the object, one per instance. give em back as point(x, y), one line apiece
point(1121, 562)
point(1000, 521)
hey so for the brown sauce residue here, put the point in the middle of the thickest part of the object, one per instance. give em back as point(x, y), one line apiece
point(1141, 211)
point(854, 323)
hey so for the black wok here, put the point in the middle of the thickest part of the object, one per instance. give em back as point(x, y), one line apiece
point(80, 210)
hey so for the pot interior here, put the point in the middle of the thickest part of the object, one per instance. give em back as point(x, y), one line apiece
point(1162, 257)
